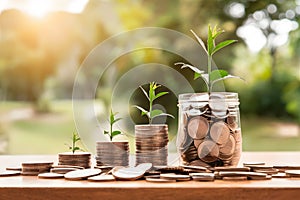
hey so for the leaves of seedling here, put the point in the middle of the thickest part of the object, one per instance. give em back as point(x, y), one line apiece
point(211, 77)
point(222, 45)
point(151, 97)
point(143, 111)
point(112, 120)
point(114, 133)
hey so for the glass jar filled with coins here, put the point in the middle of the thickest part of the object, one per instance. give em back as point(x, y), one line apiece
point(209, 129)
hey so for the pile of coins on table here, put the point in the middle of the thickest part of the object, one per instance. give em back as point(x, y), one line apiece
point(82, 159)
point(35, 168)
point(160, 174)
point(112, 153)
point(210, 133)
point(151, 142)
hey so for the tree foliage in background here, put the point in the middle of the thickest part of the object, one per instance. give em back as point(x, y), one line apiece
point(35, 52)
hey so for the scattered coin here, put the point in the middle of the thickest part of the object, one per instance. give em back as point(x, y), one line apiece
point(102, 178)
point(177, 177)
point(249, 164)
point(283, 168)
point(129, 173)
point(63, 170)
point(203, 176)
point(293, 173)
point(160, 180)
point(235, 178)
point(67, 166)
point(267, 177)
point(280, 175)
point(9, 173)
point(81, 174)
point(267, 171)
point(231, 169)
point(14, 168)
point(50, 175)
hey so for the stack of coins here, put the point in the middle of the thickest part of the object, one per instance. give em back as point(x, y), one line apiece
point(212, 133)
point(81, 159)
point(112, 153)
point(151, 144)
point(35, 168)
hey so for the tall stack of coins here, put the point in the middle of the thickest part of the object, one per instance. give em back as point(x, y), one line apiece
point(81, 159)
point(112, 153)
point(209, 129)
point(151, 143)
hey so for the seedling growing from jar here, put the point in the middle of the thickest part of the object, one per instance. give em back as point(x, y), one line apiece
point(112, 120)
point(152, 96)
point(212, 76)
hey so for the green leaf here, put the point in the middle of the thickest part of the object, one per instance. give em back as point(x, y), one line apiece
point(144, 112)
point(224, 78)
point(106, 132)
point(114, 133)
point(164, 114)
point(145, 92)
point(160, 94)
point(111, 117)
point(118, 119)
point(76, 149)
point(222, 45)
point(210, 41)
point(154, 113)
point(152, 88)
point(216, 74)
point(194, 69)
point(196, 75)
point(199, 40)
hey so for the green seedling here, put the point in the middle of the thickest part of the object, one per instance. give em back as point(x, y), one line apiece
point(211, 77)
point(112, 120)
point(151, 96)
point(75, 139)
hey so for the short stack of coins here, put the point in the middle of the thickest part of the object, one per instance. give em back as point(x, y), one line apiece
point(81, 159)
point(112, 153)
point(35, 168)
point(151, 142)
point(211, 131)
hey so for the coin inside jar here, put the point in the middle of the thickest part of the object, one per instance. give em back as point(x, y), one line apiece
point(227, 150)
point(208, 151)
point(219, 132)
point(198, 127)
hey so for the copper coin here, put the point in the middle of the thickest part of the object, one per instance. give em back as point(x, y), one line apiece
point(198, 127)
point(220, 132)
point(208, 151)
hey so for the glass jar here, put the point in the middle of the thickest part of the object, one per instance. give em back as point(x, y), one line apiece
point(209, 129)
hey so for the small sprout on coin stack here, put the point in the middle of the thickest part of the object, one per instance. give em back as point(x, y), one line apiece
point(75, 139)
point(211, 77)
point(112, 120)
point(151, 96)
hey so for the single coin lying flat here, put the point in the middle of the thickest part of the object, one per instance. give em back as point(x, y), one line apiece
point(127, 173)
point(14, 168)
point(82, 174)
point(160, 180)
point(102, 178)
point(235, 178)
point(293, 173)
point(177, 177)
point(63, 170)
point(231, 169)
point(9, 173)
point(67, 166)
point(203, 176)
point(50, 175)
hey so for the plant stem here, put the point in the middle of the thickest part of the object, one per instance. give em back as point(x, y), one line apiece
point(110, 134)
point(209, 61)
point(150, 110)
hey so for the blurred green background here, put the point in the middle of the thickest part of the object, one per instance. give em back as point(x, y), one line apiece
point(44, 42)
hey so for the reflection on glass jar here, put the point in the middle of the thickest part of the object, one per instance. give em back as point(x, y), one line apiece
point(209, 129)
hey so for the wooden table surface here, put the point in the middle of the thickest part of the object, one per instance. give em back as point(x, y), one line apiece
point(31, 187)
